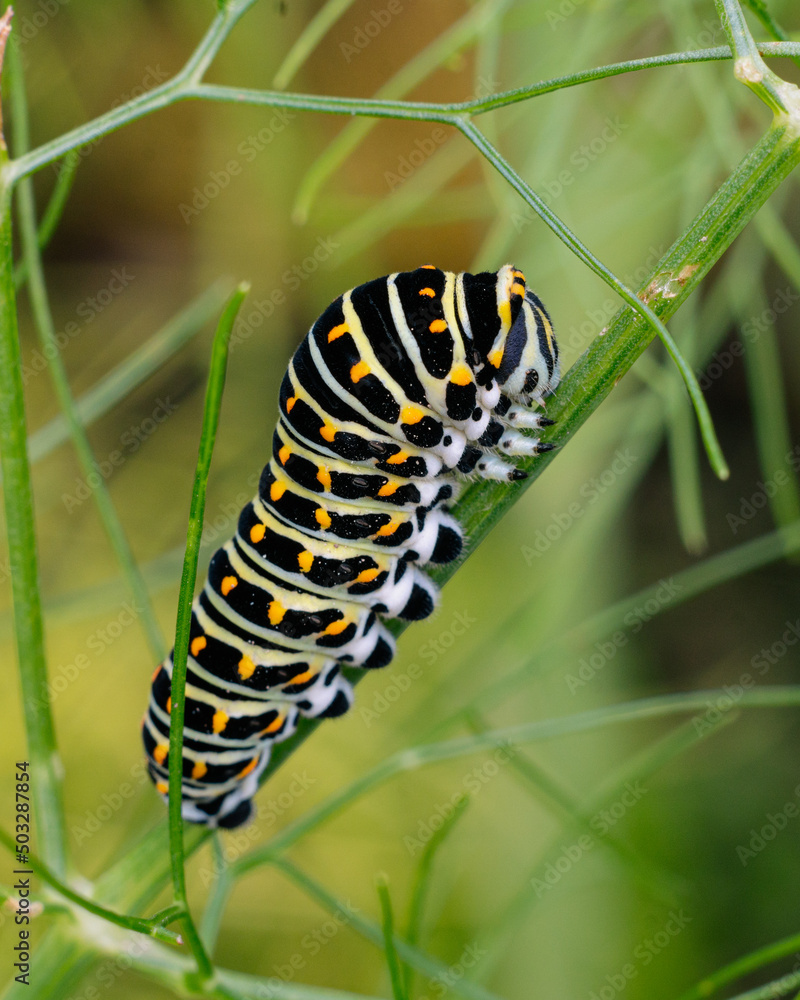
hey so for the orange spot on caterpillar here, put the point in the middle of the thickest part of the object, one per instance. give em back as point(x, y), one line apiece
point(429, 292)
point(276, 723)
point(276, 612)
point(367, 575)
point(247, 769)
point(388, 529)
point(387, 489)
point(359, 370)
point(219, 722)
point(276, 491)
point(461, 375)
point(257, 533)
point(337, 331)
point(438, 326)
point(323, 518)
point(246, 668)
point(302, 678)
point(335, 628)
point(398, 458)
point(160, 753)
point(227, 585)
point(324, 477)
point(306, 560)
point(284, 453)
point(411, 415)
point(198, 645)
point(327, 432)
point(199, 770)
point(290, 403)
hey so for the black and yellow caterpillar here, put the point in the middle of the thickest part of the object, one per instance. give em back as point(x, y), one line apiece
point(403, 388)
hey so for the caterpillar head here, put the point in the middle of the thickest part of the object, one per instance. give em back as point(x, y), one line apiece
point(517, 347)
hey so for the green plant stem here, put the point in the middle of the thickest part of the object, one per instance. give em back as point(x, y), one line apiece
point(421, 883)
point(479, 140)
point(313, 33)
point(54, 210)
point(46, 792)
point(45, 328)
point(369, 929)
point(748, 66)
point(387, 924)
point(181, 88)
point(743, 967)
point(213, 405)
point(142, 926)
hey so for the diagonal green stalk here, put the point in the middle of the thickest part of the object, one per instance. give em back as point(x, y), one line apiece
point(399, 990)
point(742, 967)
point(54, 210)
point(45, 328)
point(142, 926)
point(421, 883)
point(639, 303)
point(46, 768)
point(213, 405)
point(369, 929)
point(313, 33)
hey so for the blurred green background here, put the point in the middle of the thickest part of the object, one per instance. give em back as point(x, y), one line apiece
point(658, 895)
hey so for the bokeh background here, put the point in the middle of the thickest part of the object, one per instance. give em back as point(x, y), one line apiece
point(202, 193)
